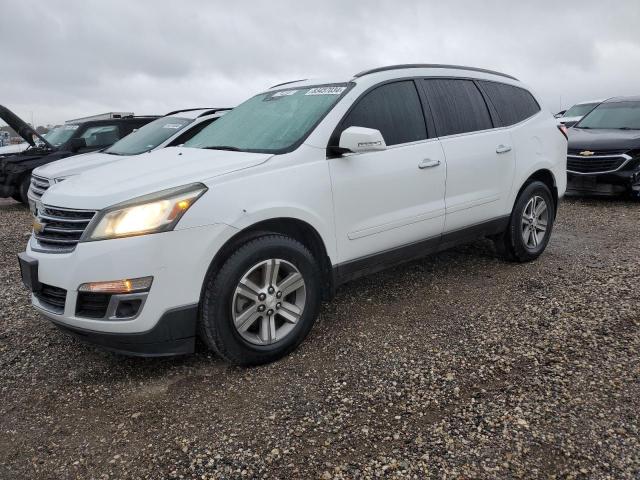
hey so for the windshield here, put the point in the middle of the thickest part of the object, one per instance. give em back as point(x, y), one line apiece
point(60, 135)
point(149, 136)
point(271, 122)
point(579, 110)
point(614, 115)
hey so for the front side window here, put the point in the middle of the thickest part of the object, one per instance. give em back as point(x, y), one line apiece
point(579, 110)
point(614, 115)
point(149, 136)
point(394, 109)
point(271, 122)
point(101, 136)
point(457, 106)
point(513, 104)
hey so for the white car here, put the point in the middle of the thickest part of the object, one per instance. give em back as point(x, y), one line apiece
point(238, 235)
point(174, 128)
point(572, 116)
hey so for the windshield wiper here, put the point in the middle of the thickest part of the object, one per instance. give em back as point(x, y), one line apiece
point(628, 128)
point(223, 147)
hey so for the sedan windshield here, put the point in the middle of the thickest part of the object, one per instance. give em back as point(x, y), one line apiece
point(614, 115)
point(60, 135)
point(272, 122)
point(579, 110)
point(149, 136)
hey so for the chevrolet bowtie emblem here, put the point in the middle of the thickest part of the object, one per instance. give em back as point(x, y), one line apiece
point(586, 153)
point(37, 226)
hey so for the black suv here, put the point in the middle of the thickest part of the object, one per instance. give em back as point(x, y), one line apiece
point(604, 150)
point(60, 142)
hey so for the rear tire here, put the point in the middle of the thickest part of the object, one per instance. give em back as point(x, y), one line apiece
point(530, 225)
point(251, 315)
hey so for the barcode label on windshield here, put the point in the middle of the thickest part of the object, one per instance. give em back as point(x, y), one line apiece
point(174, 126)
point(326, 91)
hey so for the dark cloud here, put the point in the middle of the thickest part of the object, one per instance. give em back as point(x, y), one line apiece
point(63, 59)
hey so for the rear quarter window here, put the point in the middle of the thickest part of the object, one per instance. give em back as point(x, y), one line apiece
point(513, 104)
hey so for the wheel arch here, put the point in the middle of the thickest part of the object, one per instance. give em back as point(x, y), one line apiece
point(547, 177)
point(295, 228)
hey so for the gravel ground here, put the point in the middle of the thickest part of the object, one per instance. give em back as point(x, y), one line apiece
point(456, 366)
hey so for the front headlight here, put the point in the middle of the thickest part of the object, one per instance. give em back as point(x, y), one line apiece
point(158, 212)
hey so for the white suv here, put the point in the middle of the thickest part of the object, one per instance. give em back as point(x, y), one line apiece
point(237, 236)
point(174, 128)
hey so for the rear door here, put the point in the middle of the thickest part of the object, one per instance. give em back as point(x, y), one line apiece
point(480, 158)
point(391, 198)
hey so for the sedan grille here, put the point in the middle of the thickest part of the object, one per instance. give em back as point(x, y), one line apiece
point(594, 164)
point(39, 185)
point(60, 229)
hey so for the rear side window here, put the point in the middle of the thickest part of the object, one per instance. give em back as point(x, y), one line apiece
point(394, 109)
point(457, 106)
point(513, 104)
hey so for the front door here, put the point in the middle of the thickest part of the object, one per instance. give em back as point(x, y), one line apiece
point(391, 198)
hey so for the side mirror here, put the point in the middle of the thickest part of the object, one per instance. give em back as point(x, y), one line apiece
point(77, 144)
point(361, 139)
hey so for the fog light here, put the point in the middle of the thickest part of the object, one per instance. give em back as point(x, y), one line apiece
point(118, 286)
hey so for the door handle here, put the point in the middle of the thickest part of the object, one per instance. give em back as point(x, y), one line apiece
point(428, 163)
point(503, 148)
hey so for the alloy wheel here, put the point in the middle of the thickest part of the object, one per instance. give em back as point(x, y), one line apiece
point(268, 301)
point(534, 221)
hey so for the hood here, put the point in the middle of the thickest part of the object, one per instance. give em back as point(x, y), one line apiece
point(143, 174)
point(21, 127)
point(75, 165)
point(596, 139)
point(11, 149)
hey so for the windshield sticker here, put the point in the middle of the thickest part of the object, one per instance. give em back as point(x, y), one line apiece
point(285, 93)
point(326, 91)
point(174, 126)
point(71, 127)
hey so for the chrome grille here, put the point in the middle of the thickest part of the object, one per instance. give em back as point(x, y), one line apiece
point(61, 228)
point(596, 163)
point(38, 186)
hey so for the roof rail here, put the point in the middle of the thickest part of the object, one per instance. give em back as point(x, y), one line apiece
point(430, 65)
point(212, 109)
point(287, 83)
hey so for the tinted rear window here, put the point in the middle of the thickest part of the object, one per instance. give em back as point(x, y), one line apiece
point(513, 104)
point(457, 106)
point(394, 109)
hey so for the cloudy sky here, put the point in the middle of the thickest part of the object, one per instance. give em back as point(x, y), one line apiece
point(65, 59)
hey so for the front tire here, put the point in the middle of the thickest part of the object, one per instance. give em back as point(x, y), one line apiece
point(23, 190)
point(262, 303)
point(530, 224)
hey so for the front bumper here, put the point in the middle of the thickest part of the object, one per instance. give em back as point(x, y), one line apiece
point(166, 323)
point(606, 184)
point(174, 334)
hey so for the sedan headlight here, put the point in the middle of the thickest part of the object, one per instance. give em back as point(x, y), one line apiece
point(158, 212)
